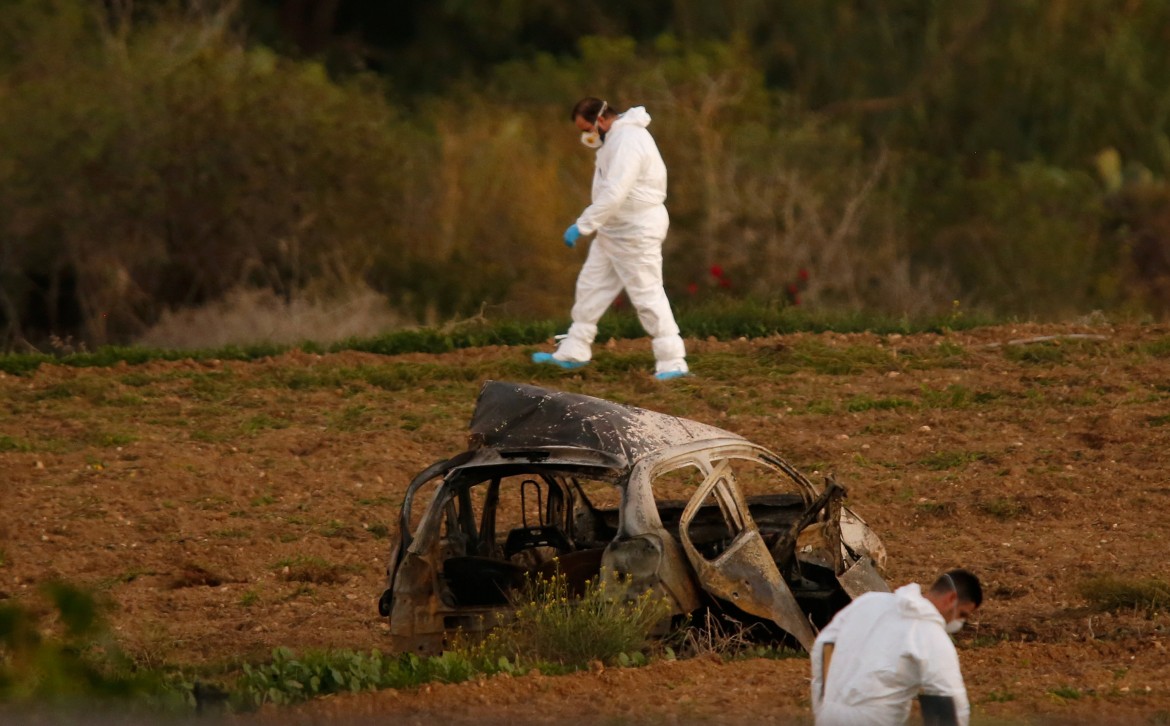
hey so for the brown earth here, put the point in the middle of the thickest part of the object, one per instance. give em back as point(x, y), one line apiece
point(225, 508)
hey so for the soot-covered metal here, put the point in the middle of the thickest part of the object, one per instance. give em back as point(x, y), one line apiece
point(563, 482)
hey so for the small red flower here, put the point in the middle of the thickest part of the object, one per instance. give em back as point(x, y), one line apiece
point(724, 282)
point(693, 288)
point(802, 275)
point(793, 293)
point(717, 271)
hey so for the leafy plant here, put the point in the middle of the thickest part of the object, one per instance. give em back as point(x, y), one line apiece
point(552, 624)
point(77, 658)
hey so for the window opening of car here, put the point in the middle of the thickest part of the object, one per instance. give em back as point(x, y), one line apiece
point(594, 514)
point(499, 530)
point(719, 518)
point(672, 490)
point(526, 486)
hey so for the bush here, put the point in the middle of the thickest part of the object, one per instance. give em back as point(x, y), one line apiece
point(73, 659)
point(602, 624)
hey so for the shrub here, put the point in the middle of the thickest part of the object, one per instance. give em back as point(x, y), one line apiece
point(74, 659)
point(553, 625)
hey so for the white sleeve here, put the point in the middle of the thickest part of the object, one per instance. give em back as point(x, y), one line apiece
point(941, 675)
point(623, 172)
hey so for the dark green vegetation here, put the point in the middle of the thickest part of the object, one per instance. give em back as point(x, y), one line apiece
point(72, 657)
point(846, 155)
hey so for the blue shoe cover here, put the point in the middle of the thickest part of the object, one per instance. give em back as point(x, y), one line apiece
point(670, 375)
point(568, 365)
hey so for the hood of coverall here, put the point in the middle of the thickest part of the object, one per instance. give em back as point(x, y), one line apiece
point(636, 116)
point(913, 604)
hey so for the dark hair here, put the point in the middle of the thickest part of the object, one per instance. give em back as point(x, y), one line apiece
point(964, 583)
point(589, 107)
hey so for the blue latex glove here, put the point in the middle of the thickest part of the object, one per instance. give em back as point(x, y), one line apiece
point(571, 235)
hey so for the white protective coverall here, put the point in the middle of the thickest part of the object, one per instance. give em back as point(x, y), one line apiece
point(630, 219)
point(887, 649)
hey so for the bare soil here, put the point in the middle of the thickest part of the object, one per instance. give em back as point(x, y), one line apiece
point(225, 508)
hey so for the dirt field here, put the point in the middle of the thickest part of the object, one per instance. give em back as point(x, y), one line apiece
point(225, 508)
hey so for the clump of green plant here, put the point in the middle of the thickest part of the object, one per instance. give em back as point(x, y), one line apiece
point(71, 656)
point(311, 570)
point(290, 678)
point(1004, 508)
point(1112, 592)
point(1038, 353)
point(941, 460)
point(602, 624)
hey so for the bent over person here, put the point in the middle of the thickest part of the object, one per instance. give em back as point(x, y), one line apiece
point(885, 649)
point(629, 217)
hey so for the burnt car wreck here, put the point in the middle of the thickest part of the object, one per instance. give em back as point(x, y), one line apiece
point(700, 516)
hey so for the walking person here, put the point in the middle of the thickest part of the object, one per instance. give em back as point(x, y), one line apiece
point(885, 649)
point(629, 218)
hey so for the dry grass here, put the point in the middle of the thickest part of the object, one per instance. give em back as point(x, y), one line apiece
point(247, 317)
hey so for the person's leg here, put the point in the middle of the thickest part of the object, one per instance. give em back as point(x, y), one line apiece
point(597, 286)
point(640, 269)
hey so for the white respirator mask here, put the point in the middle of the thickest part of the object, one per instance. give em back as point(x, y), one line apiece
point(593, 138)
point(955, 626)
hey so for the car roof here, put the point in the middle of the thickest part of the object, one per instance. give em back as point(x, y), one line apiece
point(519, 416)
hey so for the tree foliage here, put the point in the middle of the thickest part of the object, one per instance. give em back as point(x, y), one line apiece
point(895, 155)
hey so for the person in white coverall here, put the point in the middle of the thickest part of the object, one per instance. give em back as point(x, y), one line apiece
point(630, 220)
point(885, 649)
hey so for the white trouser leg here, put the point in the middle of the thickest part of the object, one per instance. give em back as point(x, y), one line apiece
point(640, 269)
point(598, 284)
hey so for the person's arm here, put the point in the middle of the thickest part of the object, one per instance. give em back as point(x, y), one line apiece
point(943, 696)
point(623, 172)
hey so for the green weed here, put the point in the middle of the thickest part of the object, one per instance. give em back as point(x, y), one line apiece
point(1113, 592)
point(1157, 348)
point(1037, 353)
point(311, 570)
point(336, 528)
point(261, 422)
point(214, 387)
point(231, 533)
point(553, 624)
point(936, 509)
point(211, 437)
point(351, 418)
point(107, 439)
point(817, 356)
point(865, 403)
point(1067, 693)
point(941, 460)
point(955, 396)
point(1003, 508)
point(288, 678)
point(7, 443)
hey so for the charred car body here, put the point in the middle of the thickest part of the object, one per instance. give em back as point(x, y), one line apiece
point(698, 515)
